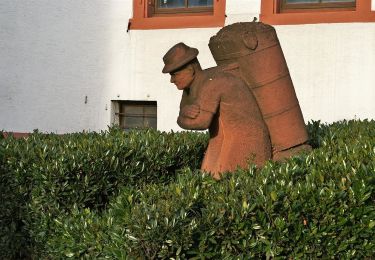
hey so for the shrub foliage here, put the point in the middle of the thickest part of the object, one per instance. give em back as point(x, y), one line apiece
point(140, 195)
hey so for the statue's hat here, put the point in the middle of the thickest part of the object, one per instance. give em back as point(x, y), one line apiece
point(178, 56)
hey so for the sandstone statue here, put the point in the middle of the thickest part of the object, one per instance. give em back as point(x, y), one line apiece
point(221, 102)
point(255, 54)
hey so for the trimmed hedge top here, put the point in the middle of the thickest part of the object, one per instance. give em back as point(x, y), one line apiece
point(138, 194)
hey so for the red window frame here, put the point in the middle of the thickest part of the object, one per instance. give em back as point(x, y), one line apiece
point(271, 13)
point(186, 9)
point(308, 7)
point(144, 17)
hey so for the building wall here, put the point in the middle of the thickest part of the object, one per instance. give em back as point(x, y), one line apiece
point(54, 53)
point(332, 69)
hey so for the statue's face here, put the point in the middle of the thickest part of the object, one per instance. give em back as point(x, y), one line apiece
point(183, 78)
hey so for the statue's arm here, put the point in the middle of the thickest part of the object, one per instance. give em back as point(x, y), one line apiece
point(190, 111)
point(199, 115)
point(201, 122)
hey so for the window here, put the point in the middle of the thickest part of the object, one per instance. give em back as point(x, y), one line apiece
point(136, 114)
point(172, 14)
point(289, 5)
point(182, 6)
point(316, 11)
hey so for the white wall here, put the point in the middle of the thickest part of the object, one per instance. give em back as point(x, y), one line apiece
point(54, 53)
point(242, 10)
point(333, 69)
point(373, 5)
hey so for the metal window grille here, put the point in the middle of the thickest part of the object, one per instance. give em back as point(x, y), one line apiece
point(138, 114)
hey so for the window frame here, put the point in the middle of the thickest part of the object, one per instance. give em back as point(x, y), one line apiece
point(285, 7)
point(144, 17)
point(121, 113)
point(271, 14)
point(181, 10)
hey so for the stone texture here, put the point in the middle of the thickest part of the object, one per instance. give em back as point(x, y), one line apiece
point(221, 102)
point(256, 56)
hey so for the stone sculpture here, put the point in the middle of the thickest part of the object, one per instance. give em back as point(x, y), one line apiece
point(221, 102)
point(255, 54)
point(247, 102)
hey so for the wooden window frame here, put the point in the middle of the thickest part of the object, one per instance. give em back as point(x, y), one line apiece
point(285, 7)
point(122, 112)
point(144, 17)
point(272, 13)
point(184, 10)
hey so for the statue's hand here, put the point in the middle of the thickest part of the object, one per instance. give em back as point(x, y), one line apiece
point(190, 111)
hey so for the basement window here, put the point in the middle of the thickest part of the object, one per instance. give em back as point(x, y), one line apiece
point(135, 114)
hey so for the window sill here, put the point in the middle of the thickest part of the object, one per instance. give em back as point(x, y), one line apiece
point(362, 13)
point(142, 21)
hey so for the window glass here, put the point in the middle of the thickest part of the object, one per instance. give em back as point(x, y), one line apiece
point(171, 3)
point(137, 114)
point(318, 1)
point(133, 109)
point(198, 3)
point(132, 122)
point(150, 110)
point(336, 1)
point(301, 1)
point(150, 122)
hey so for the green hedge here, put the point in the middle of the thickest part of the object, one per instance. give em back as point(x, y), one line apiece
point(43, 176)
point(69, 197)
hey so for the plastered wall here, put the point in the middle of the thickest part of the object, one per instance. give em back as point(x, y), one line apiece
point(54, 53)
point(332, 67)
